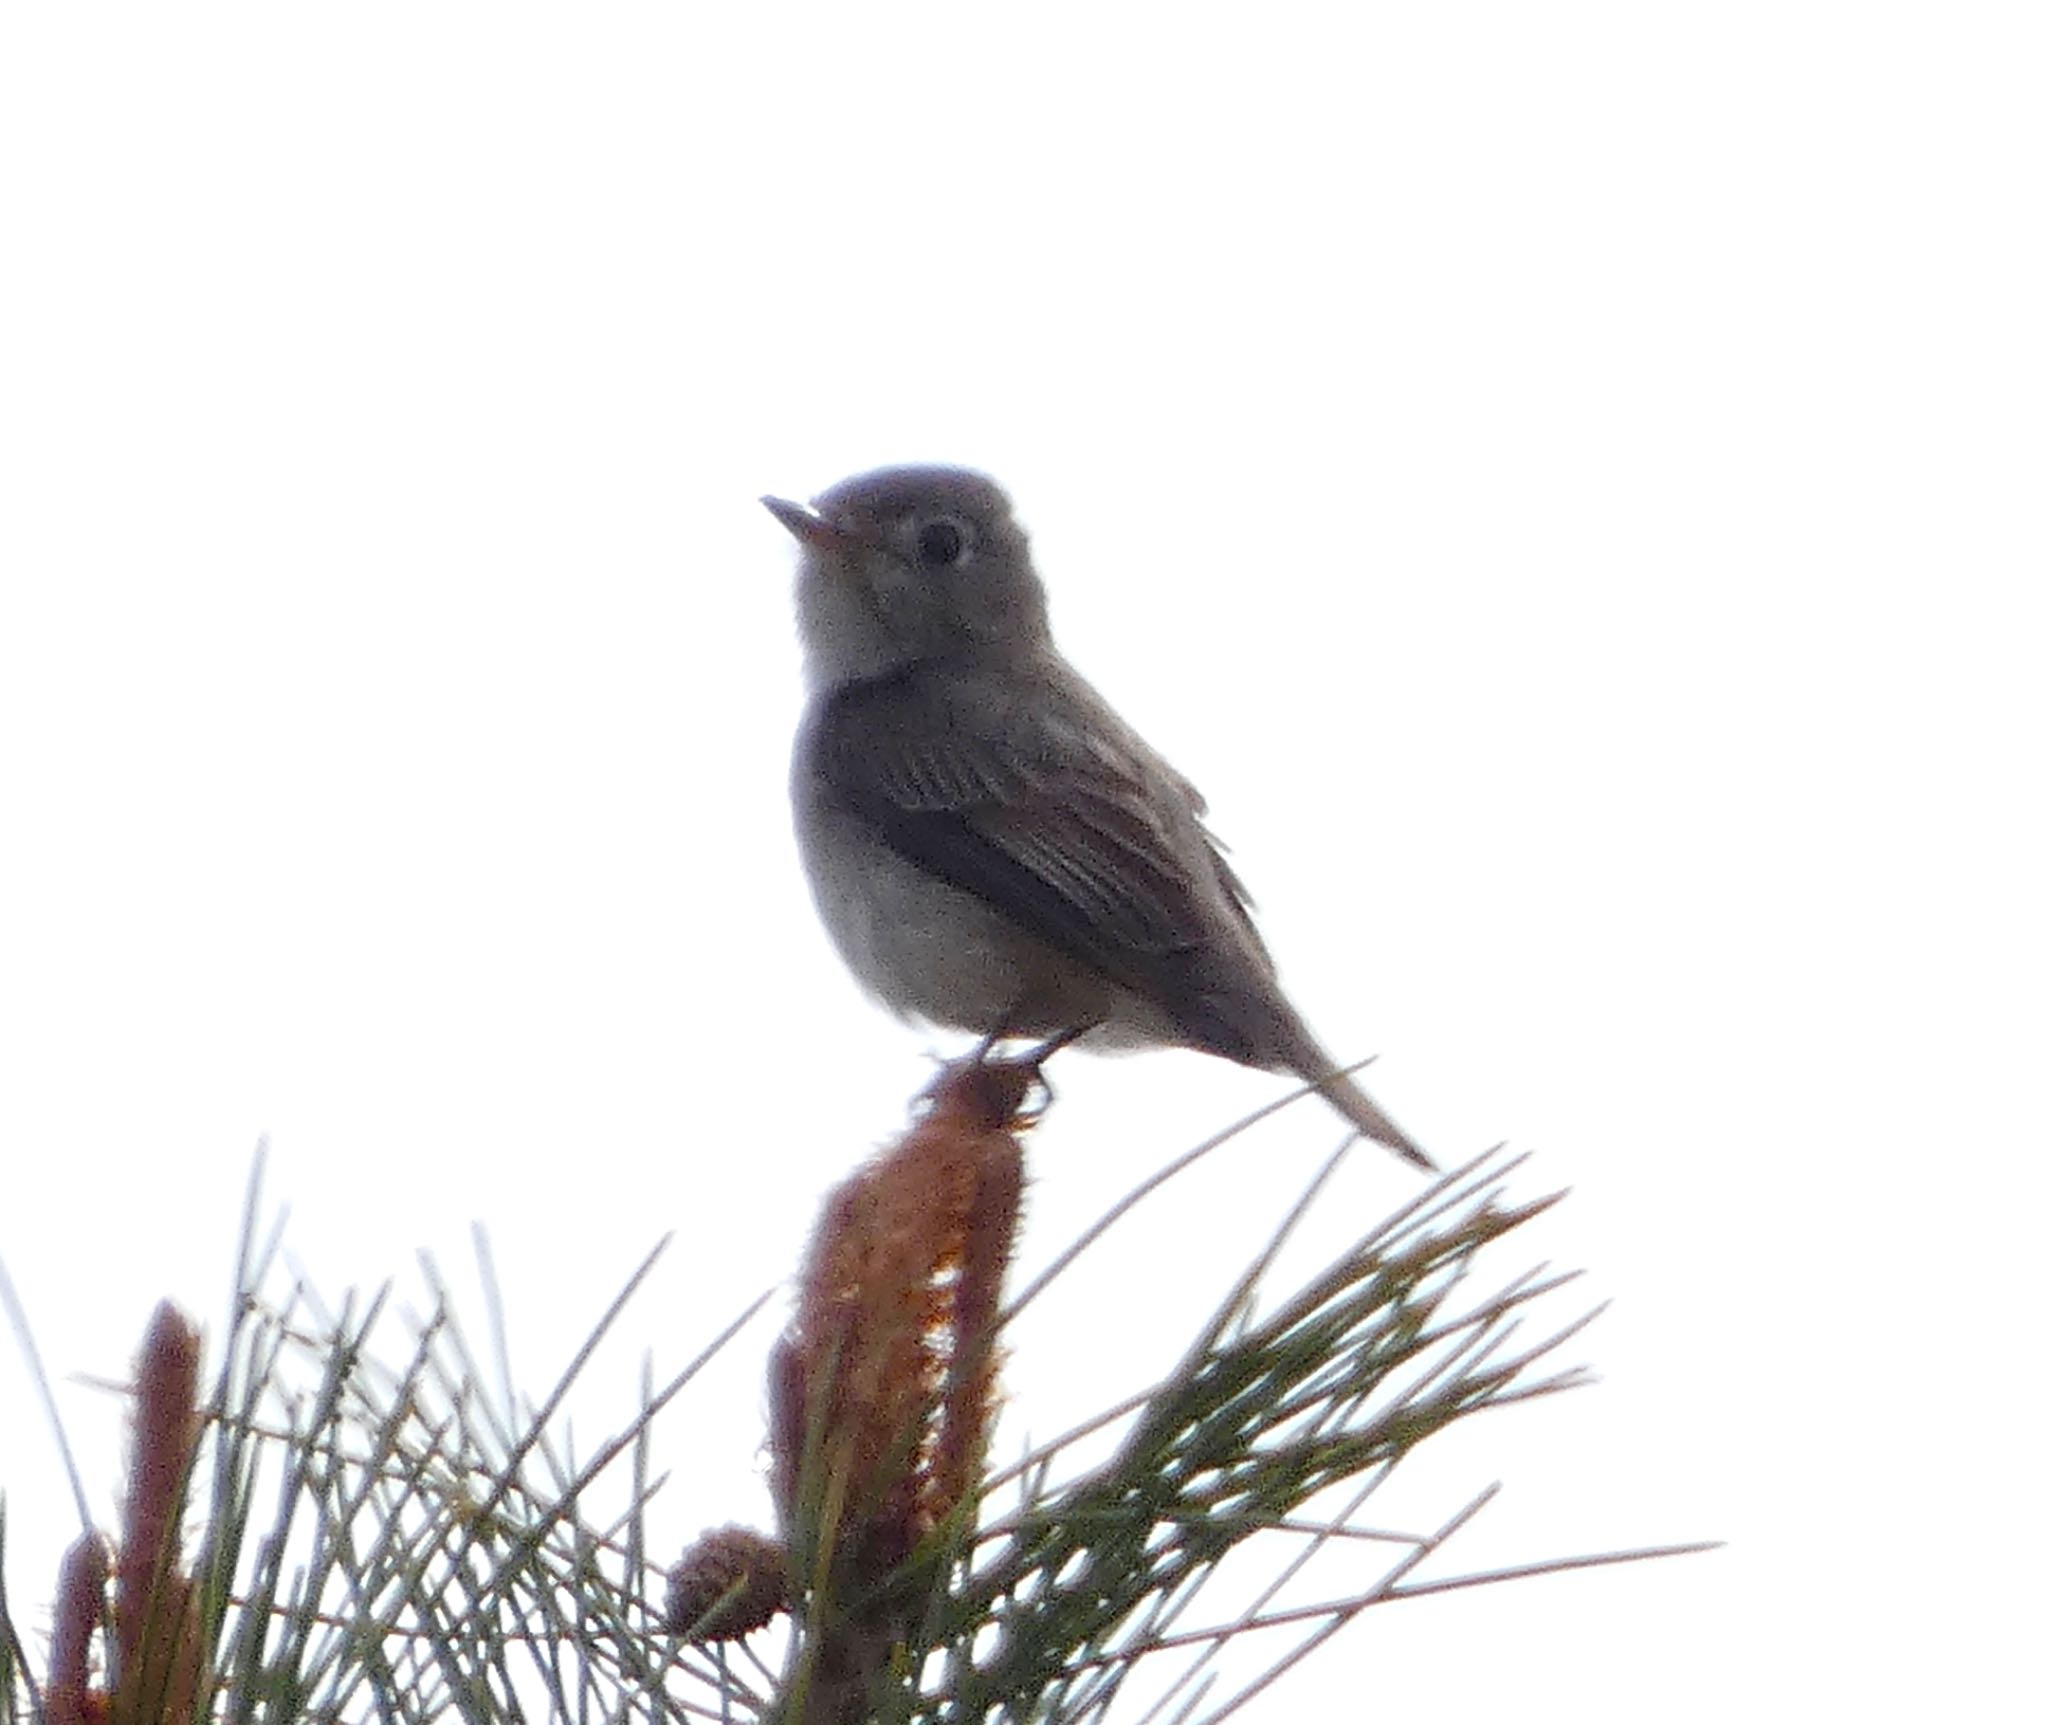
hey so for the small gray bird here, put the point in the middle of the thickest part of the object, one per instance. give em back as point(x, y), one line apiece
point(991, 847)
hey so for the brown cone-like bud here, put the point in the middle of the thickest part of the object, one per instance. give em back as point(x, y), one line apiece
point(882, 1389)
point(156, 1629)
point(886, 1380)
point(68, 1696)
point(730, 1583)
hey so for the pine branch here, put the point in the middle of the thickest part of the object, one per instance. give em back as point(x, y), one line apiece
point(376, 1535)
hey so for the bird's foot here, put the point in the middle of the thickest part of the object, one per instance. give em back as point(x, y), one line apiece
point(1027, 1064)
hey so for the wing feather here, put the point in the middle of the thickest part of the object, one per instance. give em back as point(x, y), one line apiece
point(1049, 811)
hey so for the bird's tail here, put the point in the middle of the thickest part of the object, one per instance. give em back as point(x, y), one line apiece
point(1257, 1027)
point(1362, 1111)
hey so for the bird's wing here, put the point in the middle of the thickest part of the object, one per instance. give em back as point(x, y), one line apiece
point(1038, 801)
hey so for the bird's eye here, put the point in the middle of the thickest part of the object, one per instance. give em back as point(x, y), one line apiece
point(941, 543)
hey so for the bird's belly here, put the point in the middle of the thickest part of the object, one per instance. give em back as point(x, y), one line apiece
point(928, 950)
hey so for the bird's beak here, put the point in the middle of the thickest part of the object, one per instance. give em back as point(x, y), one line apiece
point(809, 527)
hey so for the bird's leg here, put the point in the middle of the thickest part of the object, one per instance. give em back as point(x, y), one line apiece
point(984, 1050)
point(1054, 1043)
point(987, 1046)
point(1034, 1058)
point(1034, 1061)
point(1007, 1029)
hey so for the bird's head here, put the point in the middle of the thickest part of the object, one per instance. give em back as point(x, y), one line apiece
point(911, 564)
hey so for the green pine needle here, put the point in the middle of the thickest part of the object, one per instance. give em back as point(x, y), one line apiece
point(396, 1542)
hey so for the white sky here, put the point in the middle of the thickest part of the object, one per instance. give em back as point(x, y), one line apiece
point(1567, 481)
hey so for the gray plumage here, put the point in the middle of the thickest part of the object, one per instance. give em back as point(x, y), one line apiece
point(990, 846)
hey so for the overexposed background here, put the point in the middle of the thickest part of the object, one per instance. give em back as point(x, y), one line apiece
point(1566, 481)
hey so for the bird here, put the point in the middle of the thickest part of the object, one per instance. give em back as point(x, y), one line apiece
point(991, 848)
